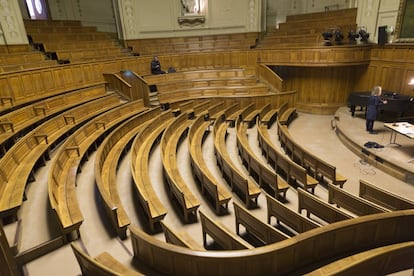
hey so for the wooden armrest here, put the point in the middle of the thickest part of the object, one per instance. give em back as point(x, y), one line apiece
point(40, 137)
point(3, 99)
point(75, 148)
point(9, 124)
point(41, 108)
point(69, 118)
point(98, 124)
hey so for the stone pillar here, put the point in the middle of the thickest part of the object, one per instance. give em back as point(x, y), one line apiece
point(12, 30)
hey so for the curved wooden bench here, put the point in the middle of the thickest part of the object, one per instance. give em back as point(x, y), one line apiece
point(382, 197)
point(283, 164)
point(179, 238)
point(15, 123)
point(226, 239)
point(287, 216)
point(384, 260)
point(268, 115)
point(352, 203)
point(103, 264)
point(199, 75)
point(205, 82)
point(263, 232)
point(140, 154)
point(319, 168)
point(286, 114)
point(177, 185)
point(301, 253)
point(247, 190)
point(265, 175)
point(66, 163)
point(322, 209)
point(249, 114)
point(208, 182)
point(106, 164)
point(18, 164)
point(258, 89)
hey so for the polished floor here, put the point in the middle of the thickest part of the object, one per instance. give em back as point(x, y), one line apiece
point(313, 131)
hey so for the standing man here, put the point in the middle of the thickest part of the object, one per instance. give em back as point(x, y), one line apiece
point(373, 102)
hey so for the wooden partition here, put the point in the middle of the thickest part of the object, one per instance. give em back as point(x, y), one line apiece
point(330, 242)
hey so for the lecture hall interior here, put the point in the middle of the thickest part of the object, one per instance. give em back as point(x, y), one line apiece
point(247, 154)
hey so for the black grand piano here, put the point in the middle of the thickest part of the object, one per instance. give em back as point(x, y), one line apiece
point(401, 105)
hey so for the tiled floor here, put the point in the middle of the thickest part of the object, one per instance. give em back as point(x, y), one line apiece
point(314, 131)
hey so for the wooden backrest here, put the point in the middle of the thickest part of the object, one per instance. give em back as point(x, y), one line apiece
point(382, 197)
point(355, 204)
point(334, 241)
point(291, 218)
point(321, 209)
point(221, 235)
point(264, 232)
point(387, 259)
point(103, 264)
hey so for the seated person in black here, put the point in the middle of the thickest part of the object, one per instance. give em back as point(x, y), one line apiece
point(156, 66)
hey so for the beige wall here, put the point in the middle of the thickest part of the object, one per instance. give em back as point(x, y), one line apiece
point(12, 30)
point(159, 18)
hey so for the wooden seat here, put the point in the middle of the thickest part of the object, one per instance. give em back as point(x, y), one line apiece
point(287, 216)
point(226, 239)
point(387, 259)
point(323, 210)
point(178, 188)
point(18, 164)
point(208, 182)
point(352, 203)
point(179, 238)
point(247, 190)
point(317, 167)
point(141, 148)
point(265, 175)
point(66, 163)
point(14, 124)
point(383, 197)
point(260, 230)
point(106, 164)
point(103, 264)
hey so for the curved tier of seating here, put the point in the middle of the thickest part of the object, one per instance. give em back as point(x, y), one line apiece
point(177, 186)
point(315, 165)
point(17, 165)
point(181, 238)
point(67, 161)
point(15, 123)
point(244, 187)
point(382, 197)
point(282, 164)
point(385, 259)
point(106, 164)
point(103, 264)
point(271, 259)
point(302, 253)
point(141, 149)
point(288, 217)
point(219, 195)
point(265, 175)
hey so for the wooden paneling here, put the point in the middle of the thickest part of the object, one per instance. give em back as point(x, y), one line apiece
point(319, 90)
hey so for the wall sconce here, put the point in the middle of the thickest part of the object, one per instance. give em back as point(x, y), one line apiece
point(411, 83)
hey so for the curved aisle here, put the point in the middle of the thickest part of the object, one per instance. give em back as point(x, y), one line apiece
point(325, 143)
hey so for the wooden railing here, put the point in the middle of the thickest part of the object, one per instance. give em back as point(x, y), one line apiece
point(330, 242)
